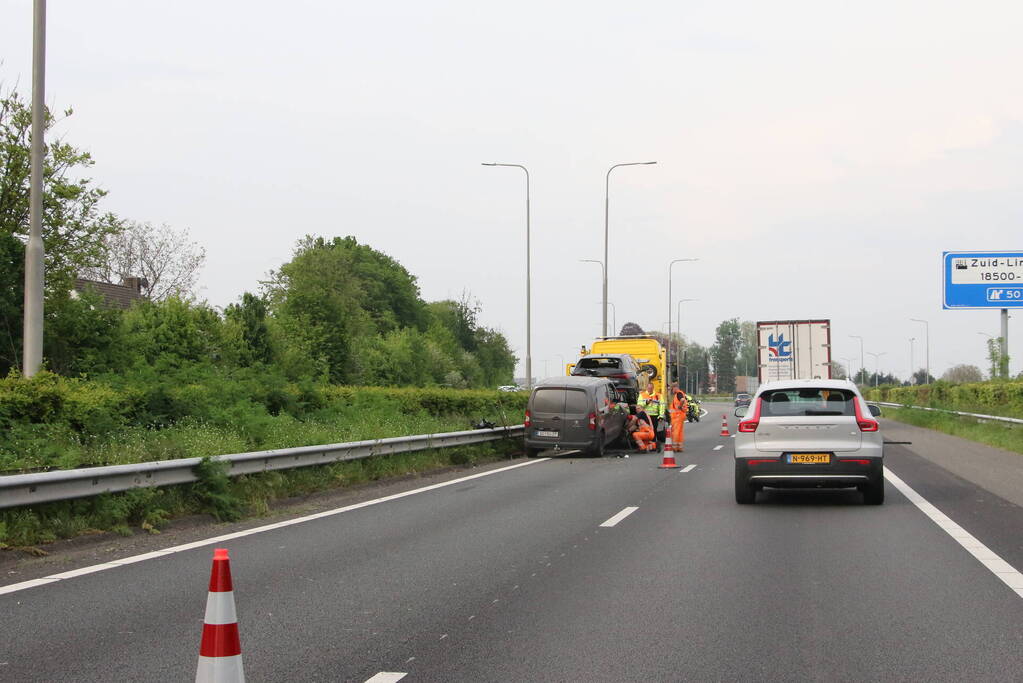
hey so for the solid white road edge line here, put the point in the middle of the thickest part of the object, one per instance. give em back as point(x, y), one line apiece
point(996, 565)
point(718, 447)
point(387, 677)
point(688, 468)
point(14, 587)
point(619, 517)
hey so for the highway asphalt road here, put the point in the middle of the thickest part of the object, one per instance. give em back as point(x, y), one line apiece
point(510, 576)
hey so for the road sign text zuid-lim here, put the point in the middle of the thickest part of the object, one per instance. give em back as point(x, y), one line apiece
point(982, 279)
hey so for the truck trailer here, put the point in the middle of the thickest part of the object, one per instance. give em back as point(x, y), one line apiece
point(793, 349)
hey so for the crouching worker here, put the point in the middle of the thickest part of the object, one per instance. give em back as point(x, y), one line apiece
point(641, 428)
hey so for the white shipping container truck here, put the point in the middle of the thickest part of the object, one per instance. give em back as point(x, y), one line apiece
point(794, 349)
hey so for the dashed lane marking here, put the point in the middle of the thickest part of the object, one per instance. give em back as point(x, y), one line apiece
point(387, 677)
point(718, 447)
point(688, 468)
point(996, 565)
point(14, 587)
point(619, 517)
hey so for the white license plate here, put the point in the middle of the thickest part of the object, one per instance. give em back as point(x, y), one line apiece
point(547, 433)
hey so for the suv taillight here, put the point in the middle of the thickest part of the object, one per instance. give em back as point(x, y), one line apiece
point(527, 422)
point(866, 424)
point(750, 424)
point(593, 421)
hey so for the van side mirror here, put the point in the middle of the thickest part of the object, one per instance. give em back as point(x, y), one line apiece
point(741, 411)
point(874, 410)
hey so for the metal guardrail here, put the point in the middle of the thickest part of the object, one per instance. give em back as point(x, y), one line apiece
point(46, 487)
point(979, 416)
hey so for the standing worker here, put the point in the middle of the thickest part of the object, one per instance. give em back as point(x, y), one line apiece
point(678, 410)
point(650, 401)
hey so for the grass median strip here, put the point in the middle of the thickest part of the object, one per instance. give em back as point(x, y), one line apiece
point(998, 434)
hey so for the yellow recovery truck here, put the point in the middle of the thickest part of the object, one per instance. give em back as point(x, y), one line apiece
point(645, 350)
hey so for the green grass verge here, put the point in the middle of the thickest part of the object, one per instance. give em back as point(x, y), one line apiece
point(999, 434)
point(225, 498)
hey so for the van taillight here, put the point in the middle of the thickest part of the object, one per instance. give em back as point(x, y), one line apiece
point(593, 421)
point(750, 425)
point(622, 376)
point(528, 422)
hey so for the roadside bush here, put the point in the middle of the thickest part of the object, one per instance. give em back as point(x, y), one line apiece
point(995, 397)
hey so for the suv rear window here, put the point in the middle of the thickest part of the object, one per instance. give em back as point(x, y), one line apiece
point(560, 401)
point(599, 363)
point(807, 402)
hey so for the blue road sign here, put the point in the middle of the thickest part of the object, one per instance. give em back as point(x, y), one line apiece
point(982, 279)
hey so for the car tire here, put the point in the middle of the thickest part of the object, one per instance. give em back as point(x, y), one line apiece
point(532, 452)
point(744, 492)
point(873, 493)
point(598, 450)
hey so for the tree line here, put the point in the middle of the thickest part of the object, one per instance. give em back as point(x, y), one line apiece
point(338, 311)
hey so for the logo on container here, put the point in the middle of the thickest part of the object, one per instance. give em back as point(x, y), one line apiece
point(779, 348)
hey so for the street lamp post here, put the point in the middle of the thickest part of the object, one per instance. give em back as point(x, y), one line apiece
point(529, 352)
point(927, 347)
point(679, 318)
point(607, 201)
point(848, 366)
point(877, 364)
point(856, 336)
point(911, 369)
point(32, 334)
point(667, 359)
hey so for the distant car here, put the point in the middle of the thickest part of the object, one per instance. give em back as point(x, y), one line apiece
point(620, 368)
point(809, 434)
point(511, 387)
point(573, 413)
point(742, 400)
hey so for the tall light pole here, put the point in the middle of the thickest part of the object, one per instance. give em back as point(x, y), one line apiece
point(856, 336)
point(679, 318)
point(911, 368)
point(667, 358)
point(877, 364)
point(607, 202)
point(529, 351)
point(848, 366)
point(927, 347)
point(562, 359)
point(32, 334)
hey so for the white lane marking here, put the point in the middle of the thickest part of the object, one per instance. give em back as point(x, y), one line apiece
point(688, 468)
point(14, 587)
point(387, 677)
point(999, 567)
point(718, 447)
point(619, 517)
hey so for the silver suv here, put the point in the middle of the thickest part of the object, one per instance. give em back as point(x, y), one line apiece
point(809, 434)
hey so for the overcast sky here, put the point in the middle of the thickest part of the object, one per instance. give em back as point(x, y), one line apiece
point(817, 157)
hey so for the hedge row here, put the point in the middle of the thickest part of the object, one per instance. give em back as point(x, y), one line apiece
point(1003, 398)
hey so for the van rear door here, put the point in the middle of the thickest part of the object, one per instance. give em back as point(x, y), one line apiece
point(558, 413)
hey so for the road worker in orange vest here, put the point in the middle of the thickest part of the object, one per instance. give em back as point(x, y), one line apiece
point(639, 425)
point(678, 409)
point(650, 401)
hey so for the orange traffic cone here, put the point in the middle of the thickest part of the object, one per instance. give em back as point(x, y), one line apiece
point(724, 426)
point(668, 463)
point(220, 654)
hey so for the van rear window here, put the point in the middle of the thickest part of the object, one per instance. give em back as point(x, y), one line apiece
point(561, 401)
point(807, 402)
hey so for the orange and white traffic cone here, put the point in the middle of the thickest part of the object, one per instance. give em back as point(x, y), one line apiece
point(668, 462)
point(724, 426)
point(220, 654)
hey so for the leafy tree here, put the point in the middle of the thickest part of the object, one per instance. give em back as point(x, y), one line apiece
point(747, 359)
point(630, 329)
point(921, 377)
point(73, 225)
point(172, 333)
point(962, 374)
point(80, 333)
point(166, 260)
point(250, 317)
point(999, 361)
point(724, 352)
